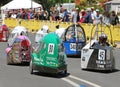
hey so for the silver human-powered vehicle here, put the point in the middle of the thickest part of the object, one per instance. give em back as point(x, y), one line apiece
point(98, 53)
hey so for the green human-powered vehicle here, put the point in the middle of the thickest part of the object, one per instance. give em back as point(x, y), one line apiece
point(49, 56)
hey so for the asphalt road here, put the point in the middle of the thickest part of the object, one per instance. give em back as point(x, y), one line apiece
point(19, 76)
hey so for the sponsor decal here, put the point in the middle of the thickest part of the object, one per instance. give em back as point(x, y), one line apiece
point(51, 61)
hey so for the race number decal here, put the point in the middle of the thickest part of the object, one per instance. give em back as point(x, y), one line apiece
point(101, 55)
point(73, 46)
point(51, 48)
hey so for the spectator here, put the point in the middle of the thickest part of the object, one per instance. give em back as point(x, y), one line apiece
point(78, 16)
point(52, 13)
point(45, 15)
point(40, 15)
point(66, 16)
point(74, 16)
point(114, 18)
point(36, 17)
point(56, 15)
point(93, 12)
point(106, 18)
point(61, 8)
point(82, 16)
point(26, 14)
point(18, 14)
point(13, 15)
point(97, 18)
point(61, 15)
point(31, 14)
point(88, 17)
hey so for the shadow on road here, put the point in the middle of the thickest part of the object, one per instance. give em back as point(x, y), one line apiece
point(21, 64)
point(73, 56)
point(58, 76)
point(103, 71)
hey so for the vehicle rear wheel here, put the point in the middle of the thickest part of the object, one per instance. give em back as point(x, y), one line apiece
point(31, 67)
point(7, 60)
point(65, 72)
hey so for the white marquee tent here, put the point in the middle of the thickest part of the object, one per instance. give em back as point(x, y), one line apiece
point(19, 4)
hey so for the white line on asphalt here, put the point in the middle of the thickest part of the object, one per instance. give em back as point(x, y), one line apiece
point(85, 81)
point(70, 82)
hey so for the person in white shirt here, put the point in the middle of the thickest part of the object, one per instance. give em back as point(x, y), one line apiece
point(13, 15)
point(106, 18)
point(97, 18)
point(93, 12)
point(74, 16)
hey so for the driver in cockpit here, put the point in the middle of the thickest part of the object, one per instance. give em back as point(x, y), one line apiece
point(103, 40)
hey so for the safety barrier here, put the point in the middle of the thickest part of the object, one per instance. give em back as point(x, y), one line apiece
point(35, 25)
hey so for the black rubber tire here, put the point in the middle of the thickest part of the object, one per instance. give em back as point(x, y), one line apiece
point(31, 67)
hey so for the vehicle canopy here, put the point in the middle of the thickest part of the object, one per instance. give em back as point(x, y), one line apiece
point(22, 41)
point(18, 30)
point(50, 52)
point(76, 32)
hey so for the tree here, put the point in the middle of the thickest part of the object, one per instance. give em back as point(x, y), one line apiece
point(3, 2)
point(49, 3)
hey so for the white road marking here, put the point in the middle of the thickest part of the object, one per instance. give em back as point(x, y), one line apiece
point(85, 81)
point(70, 82)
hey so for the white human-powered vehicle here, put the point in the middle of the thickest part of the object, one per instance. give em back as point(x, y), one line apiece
point(41, 33)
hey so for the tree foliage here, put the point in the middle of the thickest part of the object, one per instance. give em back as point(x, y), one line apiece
point(2, 2)
point(49, 3)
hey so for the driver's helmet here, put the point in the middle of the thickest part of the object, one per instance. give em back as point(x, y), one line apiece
point(102, 38)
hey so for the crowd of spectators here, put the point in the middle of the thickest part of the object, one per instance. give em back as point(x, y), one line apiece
point(89, 15)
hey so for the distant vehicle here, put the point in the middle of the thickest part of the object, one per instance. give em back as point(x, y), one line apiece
point(19, 51)
point(4, 33)
point(49, 56)
point(98, 53)
point(74, 39)
point(41, 33)
point(18, 30)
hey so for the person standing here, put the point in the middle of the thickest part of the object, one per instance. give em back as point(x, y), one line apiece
point(88, 17)
point(66, 16)
point(82, 16)
point(74, 16)
point(106, 18)
point(114, 20)
point(97, 18)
